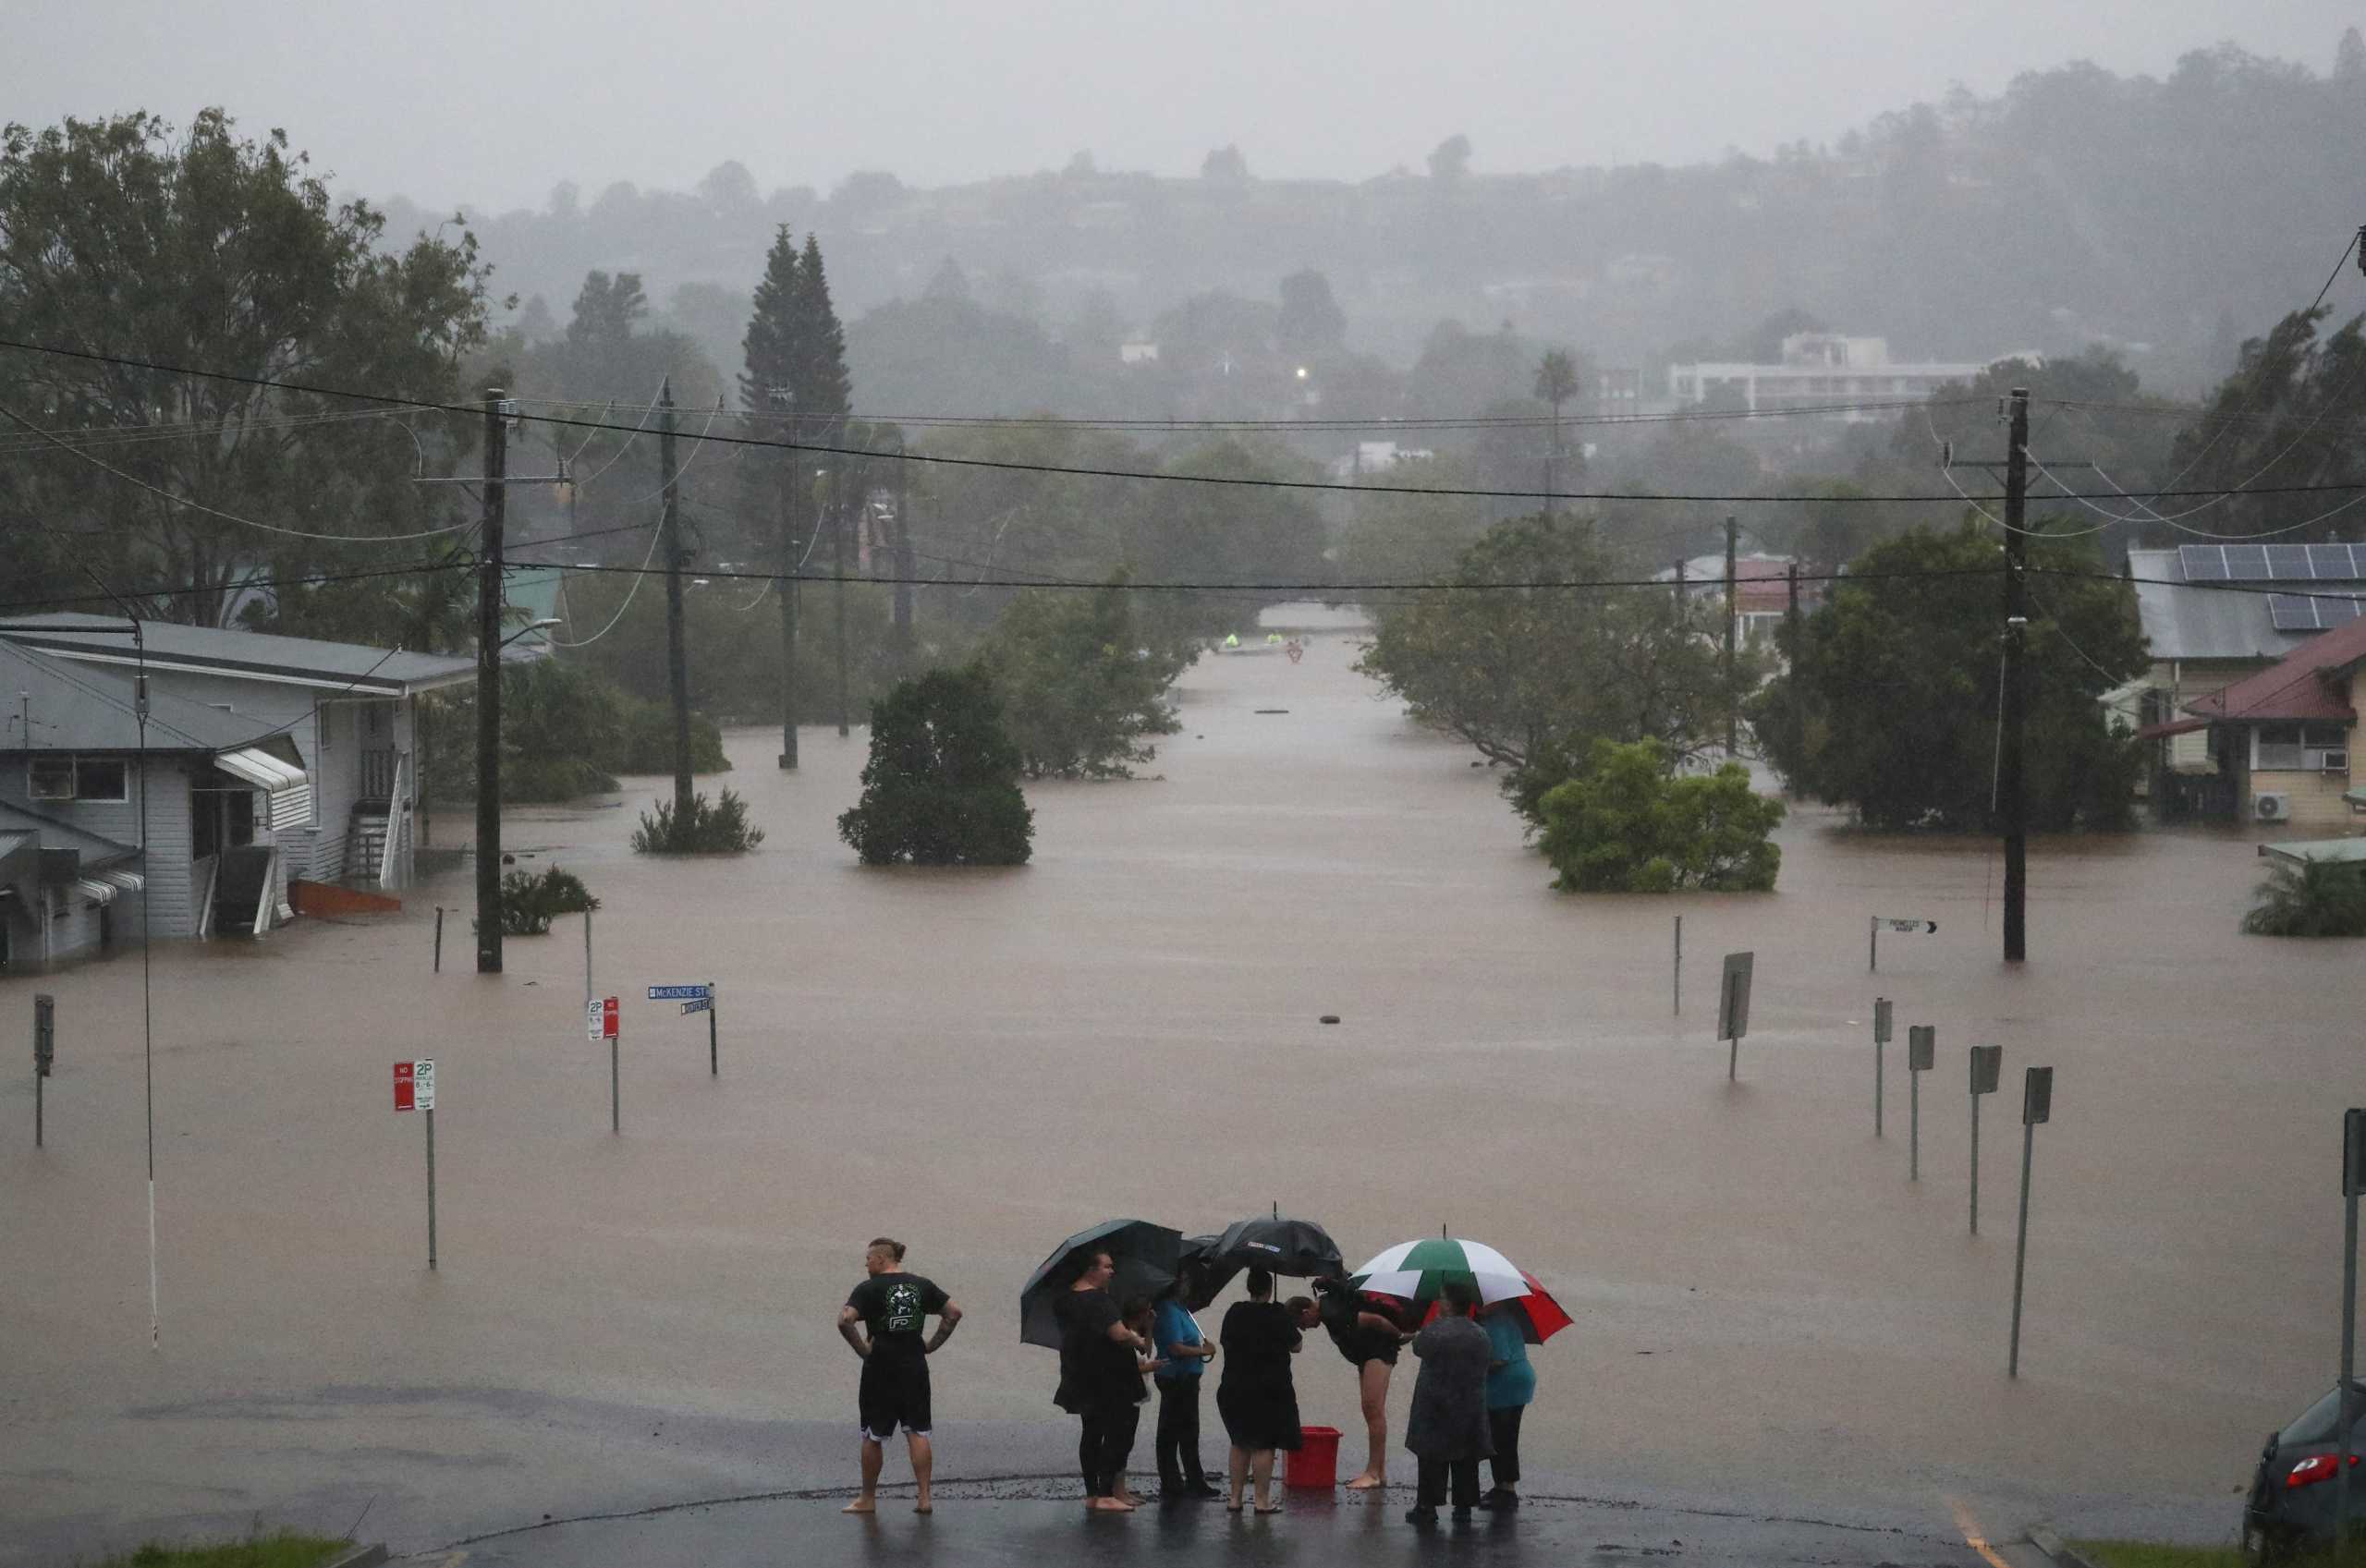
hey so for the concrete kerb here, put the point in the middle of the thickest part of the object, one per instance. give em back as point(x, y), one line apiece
point(359, 1556)
point(2060, 1550)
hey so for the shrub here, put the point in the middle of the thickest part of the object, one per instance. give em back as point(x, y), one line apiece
point(942, 786)
point(1625, 826)
point(2316, 898)
point(719, 828)
point(529, 902)
point(1083, 680)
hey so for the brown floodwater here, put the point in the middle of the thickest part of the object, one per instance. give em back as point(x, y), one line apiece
point(981, 1062)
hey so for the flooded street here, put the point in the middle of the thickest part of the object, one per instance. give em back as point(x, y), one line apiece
point(981, 1062)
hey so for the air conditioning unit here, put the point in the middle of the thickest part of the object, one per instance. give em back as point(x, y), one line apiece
point(2272, 806)
point(2336, 761)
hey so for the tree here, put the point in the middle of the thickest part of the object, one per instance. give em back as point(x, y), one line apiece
point(1311, 322)
point(1524, 662)
point(122, 240)
point(1624, 825)
point(1556, 383)
point(1083, 681)
point(1450, 159)
point(607, 310)
point(2317, 898)
point(940, 787)
point(1890, 704)
point(1225, 164)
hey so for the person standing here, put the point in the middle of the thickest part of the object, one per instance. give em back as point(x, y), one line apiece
point(1512, 1385)
point(1369, 1338)
point(1100, 1381)
point(1185, 1351)
point(884, 1320)
point(1448, 1427)
point(1256, 1396)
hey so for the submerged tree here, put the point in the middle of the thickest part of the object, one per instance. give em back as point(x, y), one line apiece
point(1083, 681)
point(1624, 825)
point(942, 786)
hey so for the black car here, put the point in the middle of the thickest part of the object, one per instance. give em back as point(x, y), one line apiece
point(2293, 1492)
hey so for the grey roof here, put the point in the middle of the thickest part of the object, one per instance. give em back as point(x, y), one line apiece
point(2205, 623)
point(346, 665)
point(78, 707)
point(53, 833)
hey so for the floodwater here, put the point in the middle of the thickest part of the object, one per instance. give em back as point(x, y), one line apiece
point(981, 1062)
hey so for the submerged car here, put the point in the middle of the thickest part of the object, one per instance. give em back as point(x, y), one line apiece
point(2293, 1492)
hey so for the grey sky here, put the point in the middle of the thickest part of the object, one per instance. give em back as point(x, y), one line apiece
point(493, 104)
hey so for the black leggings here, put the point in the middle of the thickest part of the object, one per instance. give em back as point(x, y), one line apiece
point(1104, 1445)
point(1179, 1434)
point(1502, 1425)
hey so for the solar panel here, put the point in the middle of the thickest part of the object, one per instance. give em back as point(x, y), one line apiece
point(2332, 563)
point(2334, 612)
point(2291, 613)
point(2289, 562)
point(2202, 563)
point(2247, 563)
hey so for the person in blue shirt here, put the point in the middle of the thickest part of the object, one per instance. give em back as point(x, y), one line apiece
point(1511, 1384)
point(1184, 1353)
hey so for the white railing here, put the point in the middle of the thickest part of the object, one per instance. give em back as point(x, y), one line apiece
point(392, 863)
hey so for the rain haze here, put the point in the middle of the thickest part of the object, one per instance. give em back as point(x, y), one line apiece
point(1229, 635)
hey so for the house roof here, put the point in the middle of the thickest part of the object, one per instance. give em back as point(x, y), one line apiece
point(75, 707)
point(2299, 686)
point(2207, 623)
point(301, 660)
point(55, 835)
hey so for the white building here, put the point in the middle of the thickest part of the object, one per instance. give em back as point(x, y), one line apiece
point(1819, 368)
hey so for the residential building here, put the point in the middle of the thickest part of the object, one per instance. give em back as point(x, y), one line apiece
point(2283, 736)
point(1761, 591)
point(1819, 368)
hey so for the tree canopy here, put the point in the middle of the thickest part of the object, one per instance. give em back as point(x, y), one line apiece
point(942, 786)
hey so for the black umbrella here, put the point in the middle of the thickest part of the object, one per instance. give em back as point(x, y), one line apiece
point(1277, 1244)
point(1146, 1255)
point(1203, 1277)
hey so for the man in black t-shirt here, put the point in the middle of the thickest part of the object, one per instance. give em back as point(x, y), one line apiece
point(883, 1319)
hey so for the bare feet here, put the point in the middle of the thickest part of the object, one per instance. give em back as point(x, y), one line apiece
point(862, 1505)
point(923, 1506)
point(1367, 1482)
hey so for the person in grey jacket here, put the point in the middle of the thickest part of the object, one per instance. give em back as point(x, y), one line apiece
point(1447, 1428)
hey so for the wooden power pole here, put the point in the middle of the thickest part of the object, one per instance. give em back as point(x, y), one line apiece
point(677, 672)
point(2013, 701)
point(785, 585)
point(489, 595)
point(1733, 694)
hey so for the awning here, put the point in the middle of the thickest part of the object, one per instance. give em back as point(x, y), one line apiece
point(259, 768)
point(124, 881)
point(2321, 851)
point(96, 890)
point(2171, 727)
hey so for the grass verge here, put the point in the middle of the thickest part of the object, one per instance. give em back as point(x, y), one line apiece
point(284, 1549)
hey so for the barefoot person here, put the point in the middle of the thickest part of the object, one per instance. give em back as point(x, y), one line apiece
point(883, 1319)
point(1255, 1395)
point(1369, 1340)
point(1101, 1381)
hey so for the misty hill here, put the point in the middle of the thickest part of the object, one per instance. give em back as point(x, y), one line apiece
point(2165, 217)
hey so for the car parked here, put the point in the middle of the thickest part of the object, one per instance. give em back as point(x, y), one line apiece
point(2293, 1492)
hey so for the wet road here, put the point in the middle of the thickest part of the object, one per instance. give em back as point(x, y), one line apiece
point(981, 1062)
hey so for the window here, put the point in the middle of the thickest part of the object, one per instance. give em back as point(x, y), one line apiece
point(59, 777)
point(2277, 748)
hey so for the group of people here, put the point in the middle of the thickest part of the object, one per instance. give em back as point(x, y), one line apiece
point(1474, 1385)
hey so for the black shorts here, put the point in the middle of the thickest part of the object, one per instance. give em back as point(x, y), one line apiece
point(894, 1393)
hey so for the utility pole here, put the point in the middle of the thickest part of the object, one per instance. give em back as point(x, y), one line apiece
point(841, 518)
point(1798, 636)
point(2014, 699)
point(1733, 694)
point(678, 671)
point(904, 573)
point(785, 585)
point(496, 469)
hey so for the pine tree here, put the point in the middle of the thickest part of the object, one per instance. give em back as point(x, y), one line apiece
point(769, 343)
point(819, 347)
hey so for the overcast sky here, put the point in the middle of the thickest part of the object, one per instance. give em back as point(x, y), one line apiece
point(493, 102)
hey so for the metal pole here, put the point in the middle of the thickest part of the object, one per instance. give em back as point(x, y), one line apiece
point(439, 939)
point(1877, 1085)
point(616, 1090)
point(37, 1110)
point(489, 595)
point(2349, 1363)
point(587, 960)
point(1679, 966)
point(431, 1187)
point(1873, 943)
point(2022, 1247)
point(713, 1067)
point(1913, 1122)
point(1975, 1164)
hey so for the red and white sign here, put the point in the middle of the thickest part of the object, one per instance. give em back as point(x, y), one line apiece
point(404, 1093)
point(607, 1018)
point(422, 1077)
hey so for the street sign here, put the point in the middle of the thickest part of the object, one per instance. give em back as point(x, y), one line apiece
point(600, 1019)
point(592, 1020)
point(422, 1079)
point(1733, 996)
point(406, 1087)
point(45, 1034)
point(1921, 1047)
point(1927, 927)
point(1881, 1028)
point(2353, 1153)
point(678, 994)
point(703, 1004)
point(1921, 1055)
point(2037, 1096)
point(1987, 1062)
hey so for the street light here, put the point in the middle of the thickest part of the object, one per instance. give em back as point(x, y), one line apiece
point(547, 621)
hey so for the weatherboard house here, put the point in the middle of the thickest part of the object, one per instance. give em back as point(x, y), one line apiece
point(2284, 737)
point(265, 761)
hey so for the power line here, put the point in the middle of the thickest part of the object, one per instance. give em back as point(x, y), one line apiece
point(1448, 492)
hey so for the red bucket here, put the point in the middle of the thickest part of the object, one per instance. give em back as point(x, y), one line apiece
point(1316, 1462)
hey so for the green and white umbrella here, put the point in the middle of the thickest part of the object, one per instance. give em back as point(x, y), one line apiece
point(1416, 1270)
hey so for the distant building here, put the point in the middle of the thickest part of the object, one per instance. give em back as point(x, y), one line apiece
point(1761, 591)
point(1819, 368)
point(1376, 458)
point(1138, 351)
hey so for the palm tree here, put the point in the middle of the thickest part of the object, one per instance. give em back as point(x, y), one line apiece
point(1556, 383)
point(2316, 898)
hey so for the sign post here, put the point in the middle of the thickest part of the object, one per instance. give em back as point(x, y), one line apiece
point(44, 1052)
point(2353, 1182)
point(439, 939)
point(713, 1061)
point(1921, 1055)
point(1987, 1062)
point(1873, 936)
point(415, 1090)
point(587, 958)
point(1881, 1038)
point(612, 1031)
point(2037, 1105)
point(1733, 1007)
point(1677, 973)
point(700, 998)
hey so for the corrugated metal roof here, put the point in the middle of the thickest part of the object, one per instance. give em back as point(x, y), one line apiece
point(78, 707)
point(2202, 623)
point(2334, 851)
point(348, 665)
point(2296, 686)
point(96, 849)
